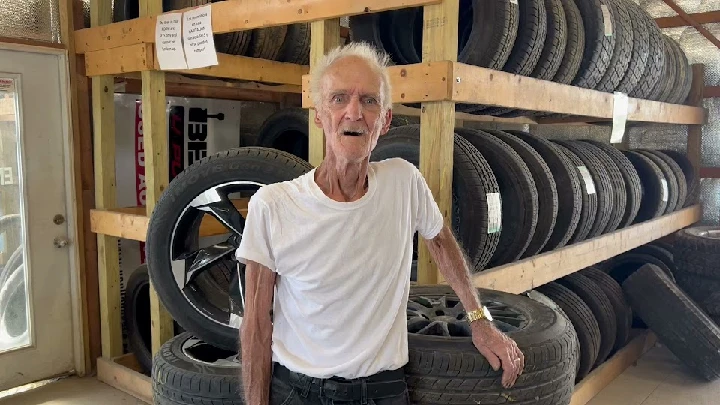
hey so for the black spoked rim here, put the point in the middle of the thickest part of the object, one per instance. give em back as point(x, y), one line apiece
point(444, 315)
point(205, 269)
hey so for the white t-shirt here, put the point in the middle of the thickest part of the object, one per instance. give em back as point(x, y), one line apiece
point(344, 268)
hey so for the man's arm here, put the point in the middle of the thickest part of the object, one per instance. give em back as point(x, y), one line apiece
point(497, 348)
point(256, 333)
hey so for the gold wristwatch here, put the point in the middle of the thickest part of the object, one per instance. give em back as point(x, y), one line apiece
point(478, 314)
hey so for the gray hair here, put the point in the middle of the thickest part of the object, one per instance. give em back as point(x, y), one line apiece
point(377, 59)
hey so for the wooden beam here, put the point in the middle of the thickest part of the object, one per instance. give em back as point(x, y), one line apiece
point(709, 172)
point(527, 93)
point(123, 373)
point(399, 109)
point(239, 15)
point(707, 34)
point(524, 275)
point(44, 44)
point(711, 92)
point(434, 75)
point(324, 36)
point(609, 370)
point(437, 121)
point(141, 57)
point(132, 222)
point(695, 98)
point(176, 78)
point(157, 173)
point(678, 21)
point(105, 195)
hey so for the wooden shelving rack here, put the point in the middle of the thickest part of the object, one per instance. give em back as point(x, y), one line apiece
point(125, 52)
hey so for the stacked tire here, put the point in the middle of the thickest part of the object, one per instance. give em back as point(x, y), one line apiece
point(516, 195)
point(696, 251)
point(605, 45)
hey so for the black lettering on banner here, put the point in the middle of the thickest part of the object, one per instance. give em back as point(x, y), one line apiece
point(176, 139)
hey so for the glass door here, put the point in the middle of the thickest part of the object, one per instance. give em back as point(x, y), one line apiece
point(36, 310)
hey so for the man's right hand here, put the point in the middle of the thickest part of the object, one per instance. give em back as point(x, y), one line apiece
point(256, 333)
point(499, 350)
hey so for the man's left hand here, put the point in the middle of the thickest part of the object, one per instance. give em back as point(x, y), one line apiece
point(499, 350)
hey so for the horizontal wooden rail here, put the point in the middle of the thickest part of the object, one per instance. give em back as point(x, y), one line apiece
point(476, 85)
point(678, 21)
point(238, 15)
point(535, 271)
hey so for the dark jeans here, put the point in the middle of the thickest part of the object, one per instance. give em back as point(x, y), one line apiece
point(304, 390)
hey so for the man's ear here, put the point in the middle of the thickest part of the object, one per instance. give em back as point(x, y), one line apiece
point(388, 121)
point(317, 120)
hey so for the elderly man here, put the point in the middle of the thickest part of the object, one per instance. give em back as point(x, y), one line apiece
point(333, 249)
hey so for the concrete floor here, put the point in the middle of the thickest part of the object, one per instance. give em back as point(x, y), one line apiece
point(658, 379)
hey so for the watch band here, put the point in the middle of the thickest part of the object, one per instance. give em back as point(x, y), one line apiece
point(476, 315)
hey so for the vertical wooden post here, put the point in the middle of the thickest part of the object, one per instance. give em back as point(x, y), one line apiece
point(156, 168)
point(437, 123)
point(324, 36)
point(695, 99)
point(103, 111)
point(82, 177)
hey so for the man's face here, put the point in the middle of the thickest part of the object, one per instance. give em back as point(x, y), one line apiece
point(351, 111)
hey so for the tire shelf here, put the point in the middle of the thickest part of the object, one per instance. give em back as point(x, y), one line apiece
point(126, 50)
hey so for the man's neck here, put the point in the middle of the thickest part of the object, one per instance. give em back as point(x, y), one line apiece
point(342, 181)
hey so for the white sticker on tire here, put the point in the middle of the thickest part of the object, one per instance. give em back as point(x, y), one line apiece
point(607, 20)
point(663, 182)
point(587, 179)
point(494, 212)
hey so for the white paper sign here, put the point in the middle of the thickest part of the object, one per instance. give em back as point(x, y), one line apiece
point(168, 41)
point(663, 183)
point(587, 179)
point(607, 20)
point(198, 40)
point(620, 113)
point(514, 2)
point(7, 85)
point(494, 212)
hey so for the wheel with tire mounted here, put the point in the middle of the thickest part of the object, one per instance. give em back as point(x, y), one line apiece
point(445, 367)
point(697, 250)
point(583, 321)
point(473, 183)
point(676, 320)
point(188, 371)
point(201, 287)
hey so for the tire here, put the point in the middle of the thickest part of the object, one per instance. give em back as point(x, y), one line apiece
point(286, 130)
point(588, 208)
point(657, 252)
point(450, 370)
point(685, 87)
point(556, 40)
point(598, 47)
point(601, 180)
point(666, 73)
point(670, 180)
point(672, 65)
point(656, 60)
point(473, 180)
point(137, 316)
point(575, 46)
point(640, 48)
point(545, 184)
point(678, 175)
point(375, 29)
point(691, 176)
point(568, 187)
point(682, 71)
point(406, 35)
point(583, 321)
point(183, 373)
point(623, 50)
point(601, 308)
point(676, 320)
point(620, 195)
point(621, 309)
point(633, 185)
point(532, 31)
point(697, 250)
point(652, 204)
point(251, 164)
point(518, 195)
point(267, 42)
point(494, 30)
point(296, 47)
point(702, 289)
point(623, 266)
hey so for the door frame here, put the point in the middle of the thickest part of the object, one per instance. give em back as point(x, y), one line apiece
point(77, 282)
